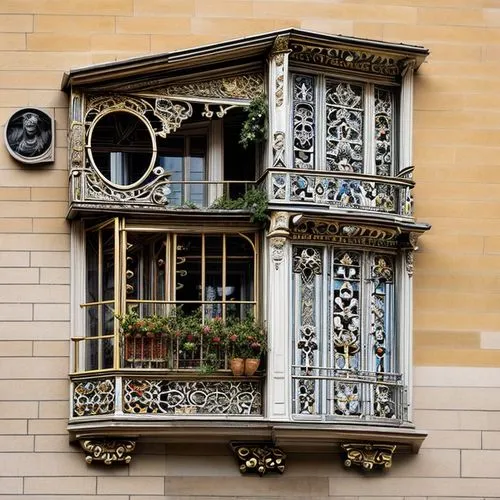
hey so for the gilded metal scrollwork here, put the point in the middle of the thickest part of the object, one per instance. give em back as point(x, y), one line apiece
point(259, 457)
point(368, 456)
point(108, 451)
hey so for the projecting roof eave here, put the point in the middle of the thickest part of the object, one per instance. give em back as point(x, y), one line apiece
point(252, 47)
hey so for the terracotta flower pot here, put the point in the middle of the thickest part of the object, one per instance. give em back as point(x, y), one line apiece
point(251, 365)
point(237, 366)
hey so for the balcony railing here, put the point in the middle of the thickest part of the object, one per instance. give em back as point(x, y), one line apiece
point(113, 394)
point(343, 190)
point(350, 396)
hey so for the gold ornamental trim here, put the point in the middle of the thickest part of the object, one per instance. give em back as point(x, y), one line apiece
point(109, 451)
point(260, 458)
point(368, 455)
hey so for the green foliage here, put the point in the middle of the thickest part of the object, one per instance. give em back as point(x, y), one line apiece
point(254, 200)
point(245, 338)
point(254, 129)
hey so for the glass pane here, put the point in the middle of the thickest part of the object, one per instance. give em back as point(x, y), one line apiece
point(188, 272)
point(214, 287)
point(121, 147)
point(196, 192)
point(344, 126)
point(240, 275)
point(171, 158)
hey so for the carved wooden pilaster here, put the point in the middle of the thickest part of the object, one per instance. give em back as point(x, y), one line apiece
point(259, 457)
point(109, 451)
point(368, 455)
point(278, 235)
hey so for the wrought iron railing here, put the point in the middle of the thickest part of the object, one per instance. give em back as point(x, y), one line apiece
point(348, 395)
point(167, 395)
point(343, 190)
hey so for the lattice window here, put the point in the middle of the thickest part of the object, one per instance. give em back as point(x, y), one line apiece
point(343, 126)
point(344, 334)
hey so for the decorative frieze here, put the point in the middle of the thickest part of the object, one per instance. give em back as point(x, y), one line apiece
point(368, 456)
point(232, 87)
point(346, 59)
point(108, 451)
point(324, 229)
point(259, 458)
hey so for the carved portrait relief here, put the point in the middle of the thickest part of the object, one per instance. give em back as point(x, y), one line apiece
point(29, 136)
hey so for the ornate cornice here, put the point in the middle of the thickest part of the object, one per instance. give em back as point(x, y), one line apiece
point(347, 59)
point(367, 455)
point(109, 451)
point(259, 457)
point(324, 229)
point(228, 87)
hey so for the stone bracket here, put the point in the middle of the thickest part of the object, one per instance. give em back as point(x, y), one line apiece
point(368, 455)
point(109, 451)
point(259, 457)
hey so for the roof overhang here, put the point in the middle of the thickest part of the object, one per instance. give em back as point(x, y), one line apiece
point(250, 49)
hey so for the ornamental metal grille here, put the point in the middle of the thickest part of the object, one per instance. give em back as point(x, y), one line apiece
point(343, 126)
point(304, 128)
point(344, 341)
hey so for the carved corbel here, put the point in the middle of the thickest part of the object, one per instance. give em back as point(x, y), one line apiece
point(410, 253)
point(368, 455)
point(259, 457)
point(278, 234)
point(109, 451)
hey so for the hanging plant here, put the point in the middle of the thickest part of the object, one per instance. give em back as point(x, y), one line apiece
point(254, 129)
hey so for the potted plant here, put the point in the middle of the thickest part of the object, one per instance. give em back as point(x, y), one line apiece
point(145, 338)
point(246, 341)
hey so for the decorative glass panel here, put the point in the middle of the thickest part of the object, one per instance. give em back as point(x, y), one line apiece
point(307, 265)
point(383, 131)
point(344, 126)
point(344, 342)
point(304, 128)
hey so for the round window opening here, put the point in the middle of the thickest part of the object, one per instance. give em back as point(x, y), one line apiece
point(121, 148)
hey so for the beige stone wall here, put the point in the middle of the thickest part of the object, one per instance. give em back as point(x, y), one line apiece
point(457, 283)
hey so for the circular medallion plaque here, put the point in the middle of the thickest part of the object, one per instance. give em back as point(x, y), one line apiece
point(29, 136)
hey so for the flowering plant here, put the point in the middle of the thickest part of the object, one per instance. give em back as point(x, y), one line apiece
point(254, 128)
point(246, 338)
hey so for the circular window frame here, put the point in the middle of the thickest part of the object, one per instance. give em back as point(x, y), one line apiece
point(154, 149)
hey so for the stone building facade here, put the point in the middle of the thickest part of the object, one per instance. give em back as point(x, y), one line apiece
point(377, 154)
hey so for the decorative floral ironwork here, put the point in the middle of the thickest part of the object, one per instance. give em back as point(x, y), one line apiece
point(304, 110)
point(155, 192)
point(108, 451)
point(357, 60)
point(342, 192)
point(171, 115)
point(245, 86)
point(382, 275)
point(94, 397)
point(259, 457)
point(307, 262)
point(368, 456)
point(344, 126)
point(383, 131)
point(201, 397)
point(346, 320)
point(321, 229)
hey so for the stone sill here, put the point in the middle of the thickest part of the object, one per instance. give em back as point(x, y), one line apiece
point(291, 436)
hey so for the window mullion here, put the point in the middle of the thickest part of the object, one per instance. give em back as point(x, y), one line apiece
point(320, 123)
point(369, 133)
